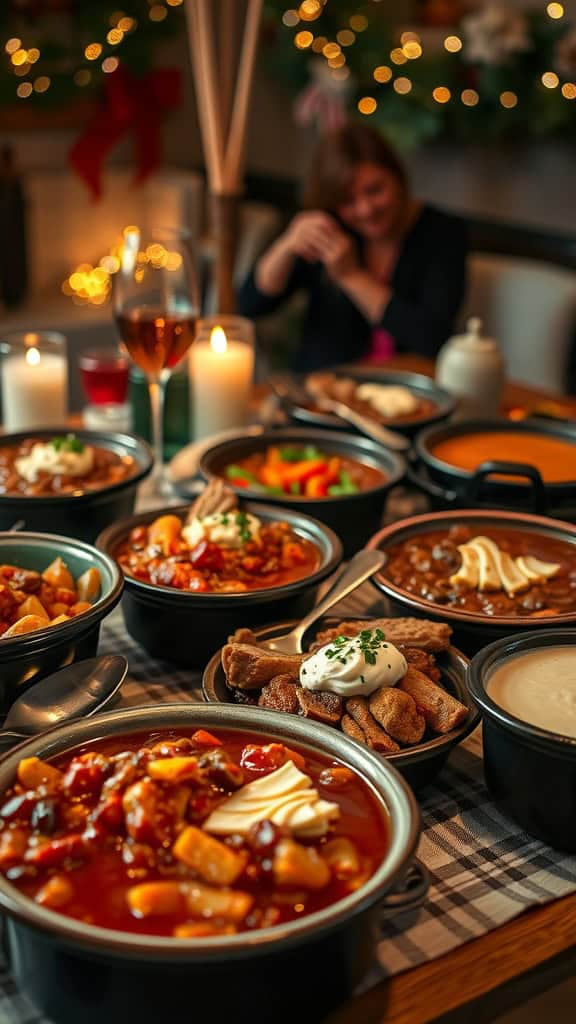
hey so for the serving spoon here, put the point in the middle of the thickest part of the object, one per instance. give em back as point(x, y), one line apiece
point(363, 565)
point(76, 691)
point(290, 391)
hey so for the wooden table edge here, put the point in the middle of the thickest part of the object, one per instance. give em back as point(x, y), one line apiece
point(469, 972)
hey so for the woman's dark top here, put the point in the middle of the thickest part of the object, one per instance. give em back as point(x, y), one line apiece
point(428, 285)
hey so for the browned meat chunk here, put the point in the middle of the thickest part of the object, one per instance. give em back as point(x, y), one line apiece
point(215, 498)
point(428, 636)
point(441, 711)
point(351, 728)
point(397, 713)
point(374, 735)
point(249, 667)
point(423, 661)
point(280, 695)
point(322, 707)
point(244, 635)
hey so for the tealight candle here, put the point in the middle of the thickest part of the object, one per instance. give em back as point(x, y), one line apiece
point(221, 371)
point(34, 380)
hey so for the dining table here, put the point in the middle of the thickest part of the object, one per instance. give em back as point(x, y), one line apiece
point(499, 925)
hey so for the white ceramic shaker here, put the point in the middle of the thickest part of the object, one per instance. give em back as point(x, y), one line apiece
point(472, 369)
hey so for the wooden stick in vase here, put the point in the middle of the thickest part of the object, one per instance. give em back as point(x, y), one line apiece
point(202, 57)
point(237, 136)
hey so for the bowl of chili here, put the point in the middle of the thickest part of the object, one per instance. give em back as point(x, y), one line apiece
point(137, 956)
point(486, 573)
point(75, 504)
point(341, 479)
point(47, 575)
point(184, 594)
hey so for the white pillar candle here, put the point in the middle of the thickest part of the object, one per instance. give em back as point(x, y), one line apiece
point(221, 371)
point(34, 389)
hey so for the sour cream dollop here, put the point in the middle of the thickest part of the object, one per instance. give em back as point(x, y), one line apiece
point(227, 529)
point(388, 400)
point(354, 666)
point(46, 458)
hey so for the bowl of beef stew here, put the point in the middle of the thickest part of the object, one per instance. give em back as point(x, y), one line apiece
point(194, 572)
point(167, 895)
point(73, 484)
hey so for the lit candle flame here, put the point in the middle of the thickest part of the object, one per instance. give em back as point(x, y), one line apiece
point(32, 357)
point(218, 342)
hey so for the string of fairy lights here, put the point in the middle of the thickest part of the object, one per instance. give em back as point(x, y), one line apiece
point(410, 48)
point(98, 55)
point(91, 285)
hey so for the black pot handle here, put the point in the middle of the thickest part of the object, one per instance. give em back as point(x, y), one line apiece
point(410, 893)
point(538, 499)
point(428, 488)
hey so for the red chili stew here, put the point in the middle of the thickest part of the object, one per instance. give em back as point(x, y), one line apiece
point(108, 469)
point(111, 834)
point(160, 554)
point(424, 564)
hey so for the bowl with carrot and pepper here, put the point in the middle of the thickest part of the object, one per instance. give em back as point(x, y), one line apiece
point(342, 480)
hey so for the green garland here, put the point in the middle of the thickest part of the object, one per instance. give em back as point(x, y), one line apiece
point(61, 30)
point(413, 117)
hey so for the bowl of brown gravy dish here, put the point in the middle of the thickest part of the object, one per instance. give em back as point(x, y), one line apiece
point(486, 573)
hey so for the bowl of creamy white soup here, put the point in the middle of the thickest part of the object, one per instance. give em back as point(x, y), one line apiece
point(525, 689)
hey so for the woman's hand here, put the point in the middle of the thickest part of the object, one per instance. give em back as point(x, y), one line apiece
point(307, 233)
point(338, 254)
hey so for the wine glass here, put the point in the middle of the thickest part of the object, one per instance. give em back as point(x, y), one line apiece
point(156, 306)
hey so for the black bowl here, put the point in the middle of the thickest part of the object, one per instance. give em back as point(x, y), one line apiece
point(419, 765)
point(186, 627)
point(76, 972)
point(354, 517)
point(422, 386)
point(82, 515)
point(530, 772)
point(471, 630)
point(451, 487)
point(26, 659)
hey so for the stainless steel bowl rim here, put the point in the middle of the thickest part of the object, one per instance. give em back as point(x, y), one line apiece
point(386, 784)
point(428, 521)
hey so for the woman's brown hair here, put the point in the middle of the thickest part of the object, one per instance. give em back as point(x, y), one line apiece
point(335, 159)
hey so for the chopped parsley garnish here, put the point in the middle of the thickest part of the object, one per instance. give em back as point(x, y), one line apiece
point(70, 443)
point(368, 641)
point(243, 527)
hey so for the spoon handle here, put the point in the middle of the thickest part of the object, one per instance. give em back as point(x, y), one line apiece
point(9, 739)
point(360, 568)
point(388, 438)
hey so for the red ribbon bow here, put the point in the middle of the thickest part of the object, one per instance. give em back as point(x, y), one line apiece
point(132, 105)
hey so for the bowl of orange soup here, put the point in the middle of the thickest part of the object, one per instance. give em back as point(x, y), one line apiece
point(500, 464)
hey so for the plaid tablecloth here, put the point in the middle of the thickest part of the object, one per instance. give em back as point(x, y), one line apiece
point(484, 870)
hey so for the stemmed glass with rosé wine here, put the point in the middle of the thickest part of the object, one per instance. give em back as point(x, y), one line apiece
point(156, 306)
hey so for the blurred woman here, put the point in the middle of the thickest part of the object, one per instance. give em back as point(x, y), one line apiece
point(384, 272)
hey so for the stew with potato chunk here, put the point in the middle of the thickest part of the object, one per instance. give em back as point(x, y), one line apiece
point(60, 466)
point(143, 833)
point(31, 600)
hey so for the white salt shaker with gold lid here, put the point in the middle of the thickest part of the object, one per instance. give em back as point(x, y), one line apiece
point(472, 369)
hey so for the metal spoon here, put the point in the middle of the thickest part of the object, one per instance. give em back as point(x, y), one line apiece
point(76, 691)
point(291, 391)
point(363, 565)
